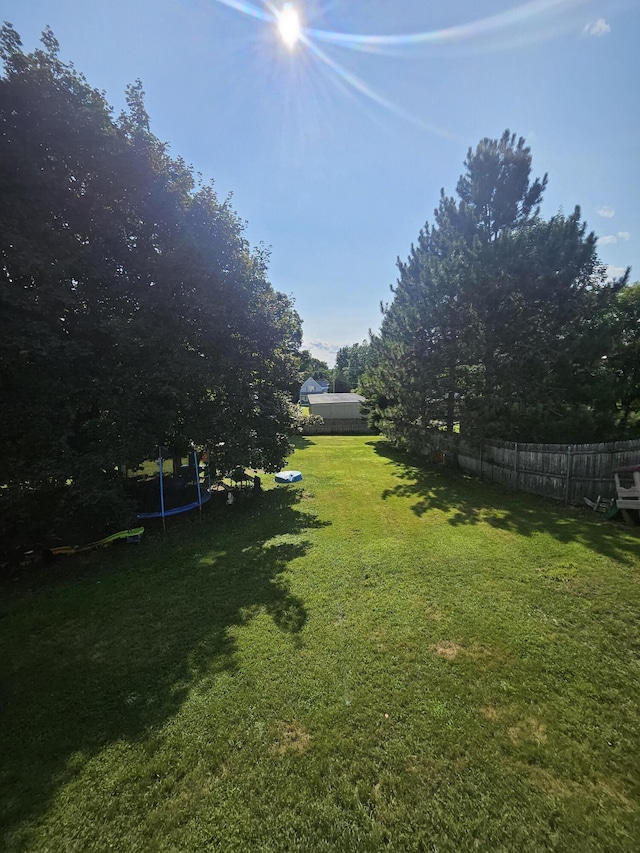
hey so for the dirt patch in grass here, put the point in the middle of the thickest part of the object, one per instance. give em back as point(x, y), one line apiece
point(291, 737)
point(427, 610)
point(489, 712)
point(605, 790)
point(529, 730)
point(448, 650)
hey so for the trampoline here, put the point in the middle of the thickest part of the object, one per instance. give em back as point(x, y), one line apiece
point(203, 494)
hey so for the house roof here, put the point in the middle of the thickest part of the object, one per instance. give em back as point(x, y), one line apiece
point(338, 398)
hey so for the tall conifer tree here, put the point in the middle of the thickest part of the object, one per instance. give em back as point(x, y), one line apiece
point(491, 324)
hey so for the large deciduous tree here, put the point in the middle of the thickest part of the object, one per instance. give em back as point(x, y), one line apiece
point(134, 310)
point(351, 364)
point(310, 366)
point(494, 324)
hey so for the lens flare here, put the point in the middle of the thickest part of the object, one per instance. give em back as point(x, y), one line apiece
point(248, 9)
point(360, 86)
point(289, 25)
point(549, 16)
point(509, 19)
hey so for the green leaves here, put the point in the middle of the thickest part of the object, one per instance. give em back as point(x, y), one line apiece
point(134, 309)
point(351, 365)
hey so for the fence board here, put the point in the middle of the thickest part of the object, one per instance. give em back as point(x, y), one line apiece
point(339, 426)
point(563, 472)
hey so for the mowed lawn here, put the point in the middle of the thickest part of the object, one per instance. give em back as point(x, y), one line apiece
point(384, 657)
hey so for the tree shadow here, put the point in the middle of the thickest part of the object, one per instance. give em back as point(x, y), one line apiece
point(470, 501)
point(113, 649)
point(300, 442)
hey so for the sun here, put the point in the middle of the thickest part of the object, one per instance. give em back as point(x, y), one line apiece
point(289, 25)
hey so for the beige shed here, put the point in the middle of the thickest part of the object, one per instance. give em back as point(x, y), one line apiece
point(336, 406)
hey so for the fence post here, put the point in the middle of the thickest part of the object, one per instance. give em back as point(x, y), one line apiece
point(568, 483)
point(481, 451)
point(515, 468)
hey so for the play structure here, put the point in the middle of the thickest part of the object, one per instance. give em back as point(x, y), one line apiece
point(627, 500)
point(239, 481)
point(196, 472)
point(133, 535)
point(628, 491)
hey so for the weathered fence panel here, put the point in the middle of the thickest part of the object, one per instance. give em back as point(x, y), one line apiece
point(564, 472)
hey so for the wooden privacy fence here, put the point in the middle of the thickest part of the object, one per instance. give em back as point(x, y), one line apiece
point(566, 472)
point(339, 426)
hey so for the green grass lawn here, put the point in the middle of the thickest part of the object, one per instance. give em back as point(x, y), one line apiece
point(384, 657)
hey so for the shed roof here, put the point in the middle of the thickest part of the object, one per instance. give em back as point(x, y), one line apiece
point(337, 398)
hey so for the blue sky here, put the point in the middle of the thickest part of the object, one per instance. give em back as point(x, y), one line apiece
point(336, 150)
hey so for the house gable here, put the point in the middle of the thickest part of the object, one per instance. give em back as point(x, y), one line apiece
point(312, 386)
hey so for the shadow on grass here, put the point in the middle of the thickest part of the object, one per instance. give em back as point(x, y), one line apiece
point(470, 501)
point(112, 650)
point(300, 442)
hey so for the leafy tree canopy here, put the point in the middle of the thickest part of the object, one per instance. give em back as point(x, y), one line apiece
point(134, 310)
point(311, 366)
point(351, 364)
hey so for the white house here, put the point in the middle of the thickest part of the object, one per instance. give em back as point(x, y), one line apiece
point(312, 386)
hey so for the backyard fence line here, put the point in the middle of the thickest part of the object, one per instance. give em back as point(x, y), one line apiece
point(564, 472)
point(339, 426)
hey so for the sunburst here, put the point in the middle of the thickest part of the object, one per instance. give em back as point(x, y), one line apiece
point(289, 25)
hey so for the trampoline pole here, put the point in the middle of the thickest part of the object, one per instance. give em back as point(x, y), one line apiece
point(164, 526)
point(209, 468)
point(195, 462)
